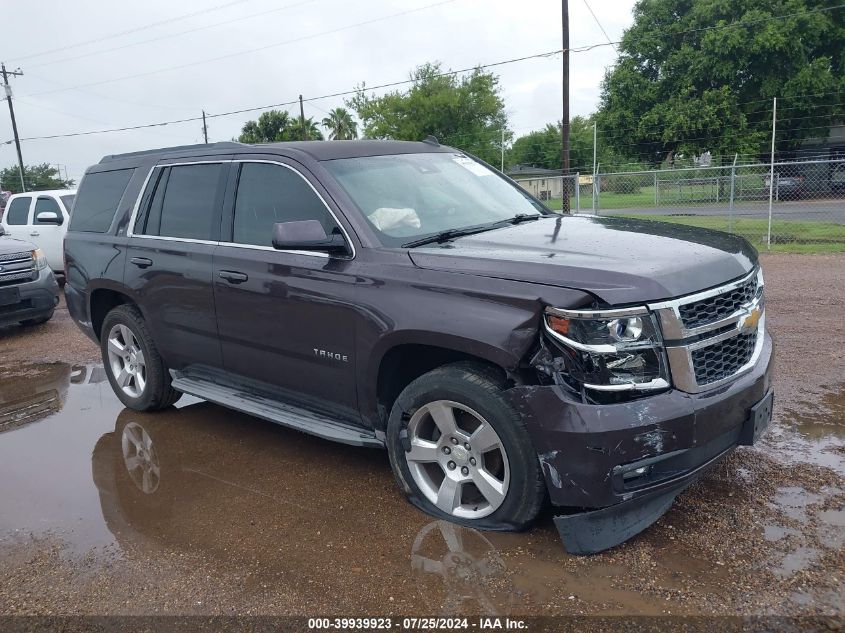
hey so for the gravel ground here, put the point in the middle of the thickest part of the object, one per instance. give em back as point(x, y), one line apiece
point(251, 518)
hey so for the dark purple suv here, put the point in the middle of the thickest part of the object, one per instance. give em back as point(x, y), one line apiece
point(407, 296)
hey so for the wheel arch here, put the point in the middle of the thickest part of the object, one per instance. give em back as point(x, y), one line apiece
point(402, 360)
point(104, 299)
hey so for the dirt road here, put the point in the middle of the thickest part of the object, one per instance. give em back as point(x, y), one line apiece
point(201, 510)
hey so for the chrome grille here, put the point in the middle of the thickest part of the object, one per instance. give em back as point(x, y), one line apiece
point(713, 336)
point(716, 308)
point(724, 359)
point(17, 267)
point(10, 257)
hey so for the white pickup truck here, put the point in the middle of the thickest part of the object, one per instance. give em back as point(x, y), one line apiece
point(41, 217)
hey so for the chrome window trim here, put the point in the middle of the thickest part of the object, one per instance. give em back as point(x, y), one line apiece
point(134, 215)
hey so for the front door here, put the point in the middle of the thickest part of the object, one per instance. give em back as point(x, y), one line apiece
point(284, 317)
point(48, 236)
point(169, 260)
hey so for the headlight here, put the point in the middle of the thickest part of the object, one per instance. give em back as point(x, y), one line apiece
point(40, 260)
point(610, 350)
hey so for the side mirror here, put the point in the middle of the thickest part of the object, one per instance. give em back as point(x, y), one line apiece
point(307, 235)
point(50, 217)
point(2, 231)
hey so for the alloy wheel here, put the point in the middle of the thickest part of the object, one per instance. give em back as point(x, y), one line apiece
point(126, 360)
point(457, 459)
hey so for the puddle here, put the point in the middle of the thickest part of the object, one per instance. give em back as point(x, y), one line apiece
point(286, 512)
point(820, 426)
point(795, 504)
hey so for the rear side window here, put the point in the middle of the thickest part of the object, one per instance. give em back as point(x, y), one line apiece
point(18, 211)
point(45, 204)
point(97, 200)
point(271, 193)
point(184, 204)
point(68, 201)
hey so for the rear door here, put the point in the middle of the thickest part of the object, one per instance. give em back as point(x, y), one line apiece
point(49, 236)
point(169, 259)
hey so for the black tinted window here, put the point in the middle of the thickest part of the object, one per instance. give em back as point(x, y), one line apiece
point(271, 193)
point(97, 200)
point(68, 201)
point(188, 208)
point(17, 211)
point(45, 204)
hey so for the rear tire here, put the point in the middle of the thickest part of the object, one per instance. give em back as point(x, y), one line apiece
point(135, 369)
point(461, 452)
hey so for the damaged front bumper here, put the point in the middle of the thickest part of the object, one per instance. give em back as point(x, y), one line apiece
point(616, 468)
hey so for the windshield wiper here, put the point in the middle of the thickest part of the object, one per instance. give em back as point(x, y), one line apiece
point(470, 230)
point(518, 218)
point(448, 234)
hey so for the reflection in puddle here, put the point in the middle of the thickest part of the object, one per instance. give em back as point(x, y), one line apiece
point(466, 561)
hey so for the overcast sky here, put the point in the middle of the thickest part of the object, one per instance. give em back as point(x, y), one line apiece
point(163, 65)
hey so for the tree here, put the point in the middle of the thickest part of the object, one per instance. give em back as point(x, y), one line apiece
point(543, 148)
point(275, 126)
point(341, 125)
point(465, 112)
point(37, 177)
point(699, 75)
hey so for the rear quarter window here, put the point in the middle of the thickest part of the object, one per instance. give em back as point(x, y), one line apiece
point(97, 200)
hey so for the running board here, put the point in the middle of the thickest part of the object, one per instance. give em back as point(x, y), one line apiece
point(279, 412)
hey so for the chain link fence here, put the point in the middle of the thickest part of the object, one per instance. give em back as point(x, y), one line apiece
point(806, 212)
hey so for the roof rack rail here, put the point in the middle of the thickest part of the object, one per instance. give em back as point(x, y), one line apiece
point(178, 148)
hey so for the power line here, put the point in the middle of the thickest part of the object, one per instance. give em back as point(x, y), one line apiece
point(287, 103)
point(606, 36)
point(136, 29)
point(172, 35)
point(251, 50)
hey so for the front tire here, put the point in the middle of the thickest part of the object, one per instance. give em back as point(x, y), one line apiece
point(460, 451)
point(133, 364)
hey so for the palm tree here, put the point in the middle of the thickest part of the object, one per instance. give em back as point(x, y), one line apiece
point(341, 125)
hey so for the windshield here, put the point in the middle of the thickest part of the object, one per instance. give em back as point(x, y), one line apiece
point(409, 196)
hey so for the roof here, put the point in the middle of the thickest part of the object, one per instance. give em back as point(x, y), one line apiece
point(55, 192)
point(318, 150)
point(528, 170)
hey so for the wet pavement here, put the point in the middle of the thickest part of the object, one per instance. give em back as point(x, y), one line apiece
point(199, 509)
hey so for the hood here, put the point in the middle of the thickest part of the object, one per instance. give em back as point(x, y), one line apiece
point(619, 260)
point(9, 244)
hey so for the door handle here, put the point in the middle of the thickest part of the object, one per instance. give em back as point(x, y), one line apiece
point(35, 234)
point(233, 277)
point(142, 262)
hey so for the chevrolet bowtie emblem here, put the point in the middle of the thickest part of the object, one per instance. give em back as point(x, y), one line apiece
point(750, 322)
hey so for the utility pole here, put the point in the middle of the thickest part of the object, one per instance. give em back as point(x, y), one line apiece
point(564, 127)
point(503, 149)
point(772, 172)
point(302, 118)
point(595, 165)
point(8, 88)
point(204, 128)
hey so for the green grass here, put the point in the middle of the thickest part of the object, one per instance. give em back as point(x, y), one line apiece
point(698, 195)
point(788, 236)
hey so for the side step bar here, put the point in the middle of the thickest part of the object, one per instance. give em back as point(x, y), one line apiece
point(279, 412)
